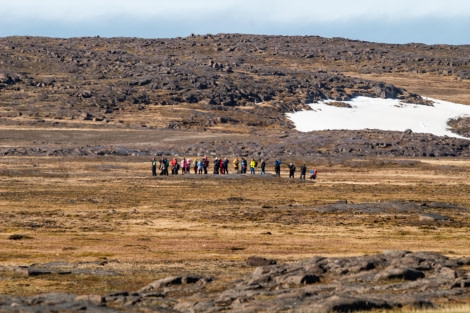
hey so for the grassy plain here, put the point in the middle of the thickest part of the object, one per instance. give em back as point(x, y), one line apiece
point(109, 213)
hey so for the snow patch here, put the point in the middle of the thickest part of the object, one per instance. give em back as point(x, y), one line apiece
point(383, 114)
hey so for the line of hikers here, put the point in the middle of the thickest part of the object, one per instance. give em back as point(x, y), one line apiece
point(222, 167)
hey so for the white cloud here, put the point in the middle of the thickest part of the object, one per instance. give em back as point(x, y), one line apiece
point(269, 10)
point(371, 20)
point(73, 10)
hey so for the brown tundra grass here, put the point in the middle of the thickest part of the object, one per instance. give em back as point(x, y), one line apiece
point(109, 212)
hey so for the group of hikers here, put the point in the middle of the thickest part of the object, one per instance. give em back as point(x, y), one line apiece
point(221, 166)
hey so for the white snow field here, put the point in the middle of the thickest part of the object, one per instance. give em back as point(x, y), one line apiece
point(383, 114)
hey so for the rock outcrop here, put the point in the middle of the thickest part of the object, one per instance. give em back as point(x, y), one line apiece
point(392, 279)
point(338, 145)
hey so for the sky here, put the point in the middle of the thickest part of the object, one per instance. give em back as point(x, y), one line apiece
point(370, 112)
point(397, 21)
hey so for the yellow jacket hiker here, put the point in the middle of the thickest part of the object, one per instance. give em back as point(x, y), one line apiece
point(253, 164)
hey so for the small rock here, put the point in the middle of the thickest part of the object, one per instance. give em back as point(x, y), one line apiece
point(432, 217)
point(259, 261)
point(400, 273)
point(96, 299)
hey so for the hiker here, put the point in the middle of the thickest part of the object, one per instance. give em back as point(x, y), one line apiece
point(253, 164)
point(291, 170)
point(221, 166)
point(205, 164)
point(216, 166)
point(183, 166)
point(236, 163)
point(303, 171)
point(174, 165)
point(225, 165)
point(161, 166)
point(200, 166)
point(243, 164)
point(154, 167)
point(188, 166)
point(313, 173)
point(277, 167)
point(164, 166)
point(195, 166)
point(262, 167)
point(175, 168)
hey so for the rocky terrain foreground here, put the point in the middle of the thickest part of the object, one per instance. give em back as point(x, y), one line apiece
point(392, 279)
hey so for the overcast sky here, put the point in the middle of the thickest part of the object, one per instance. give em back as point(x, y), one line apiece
point(397, 21)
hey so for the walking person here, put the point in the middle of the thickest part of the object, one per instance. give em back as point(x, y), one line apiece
point(205, 164)
point(221, 166)
point(303, 171)
point(188, 166)
point(195, 166)
point(167, 165)
point(164, 167)
point(244, 165)
point(154, 167)
point(216, 166)
point(183, 166)
point(262, 167)
point(253, 165)
point(225, 165)
point(313, 173)
point(291, 170)
point(277, 167)
point(236, 164)
point(200, 166)
point(174, 166)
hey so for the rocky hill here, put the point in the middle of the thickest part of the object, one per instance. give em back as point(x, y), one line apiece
point(238, 84)
point(201, 81)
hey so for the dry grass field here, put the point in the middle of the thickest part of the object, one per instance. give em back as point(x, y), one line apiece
point(110, 214)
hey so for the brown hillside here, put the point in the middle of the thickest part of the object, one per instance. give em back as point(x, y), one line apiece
point(212, 81)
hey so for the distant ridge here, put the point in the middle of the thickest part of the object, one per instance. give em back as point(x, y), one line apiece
point(213, 79)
